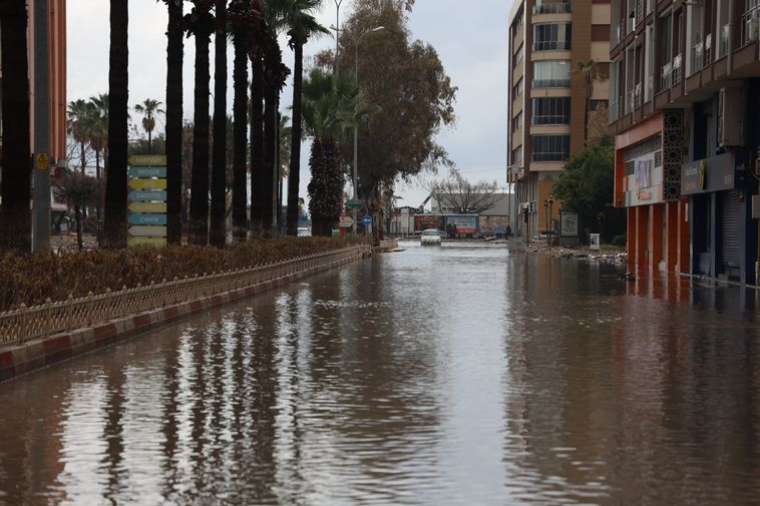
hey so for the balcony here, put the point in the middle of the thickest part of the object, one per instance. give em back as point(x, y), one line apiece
point(723, 42)
point(551, 45)
point(751, 26)
point(549, 7)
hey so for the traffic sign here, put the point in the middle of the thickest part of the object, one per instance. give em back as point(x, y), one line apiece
point(367, 220)
point(147, 161)
point(346, 222)
point(355, 204)
point(157, 242)
point(147, 219)
point(146, 172)
point(147, 184)
point(147, 207)
point(147, 196)
point(147, 231)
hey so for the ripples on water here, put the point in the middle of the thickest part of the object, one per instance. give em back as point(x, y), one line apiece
point(437, 376)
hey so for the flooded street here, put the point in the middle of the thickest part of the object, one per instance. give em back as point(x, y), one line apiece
point(440, 376)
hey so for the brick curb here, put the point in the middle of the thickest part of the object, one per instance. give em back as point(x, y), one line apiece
point(44, 352)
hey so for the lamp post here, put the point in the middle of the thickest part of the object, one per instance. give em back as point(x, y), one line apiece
point(356, 122)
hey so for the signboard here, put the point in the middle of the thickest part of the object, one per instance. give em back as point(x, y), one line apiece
point(424, 222)
point(709, 175)
point(367, 220)
point(568, 224)
point(354, 204)
point(42, 162)
point(147, 201)
point(346, 222)
point(464, 224)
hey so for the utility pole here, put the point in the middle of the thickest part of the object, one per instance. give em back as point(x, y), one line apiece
point(41, 177)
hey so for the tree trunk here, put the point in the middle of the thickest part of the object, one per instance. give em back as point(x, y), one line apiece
point(200, 182)
point(99, 204)
point(150, 142)
point(258, 179)
point(219, 170)
point(78, 219)
point(268, 176)
point(174, 57)
point(115, 227)
point(15, 215)
point(240, 112)
point(294, 176)
point(82, 158)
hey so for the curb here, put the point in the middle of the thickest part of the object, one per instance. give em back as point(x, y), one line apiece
point(47, 351)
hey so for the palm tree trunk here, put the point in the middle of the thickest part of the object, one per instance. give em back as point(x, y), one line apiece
point(98, 208)
point(82, 158)
point(78, 219)
point(150, 142)
point(218, 177)
point(240, 112)
point(268, 176)
point(258, 179)
point(200, 182)
point(115, 227)
point(294, 176)
point(15, 215)
point(174, 57)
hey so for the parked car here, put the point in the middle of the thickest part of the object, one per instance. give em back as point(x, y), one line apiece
point(431, 237)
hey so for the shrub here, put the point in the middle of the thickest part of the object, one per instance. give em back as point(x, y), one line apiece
point(31, 280)
point(619, 240)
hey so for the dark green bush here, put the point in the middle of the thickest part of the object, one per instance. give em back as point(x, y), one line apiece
point(31, 280)
point(619, 240)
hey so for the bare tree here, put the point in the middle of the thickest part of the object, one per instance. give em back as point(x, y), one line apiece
point(455, 194)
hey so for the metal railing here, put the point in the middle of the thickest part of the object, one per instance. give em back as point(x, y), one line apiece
point(751, 25)
point(551, 119)
point(697, 57)
point(24, 324)
point(551, 83)
point(551, 45)
point(725, 31)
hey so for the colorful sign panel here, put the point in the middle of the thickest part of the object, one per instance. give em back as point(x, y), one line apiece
point(709, 175)
point(147, 201)
point(465, 224)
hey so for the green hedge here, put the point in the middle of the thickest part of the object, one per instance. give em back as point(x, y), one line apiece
point(32, 280)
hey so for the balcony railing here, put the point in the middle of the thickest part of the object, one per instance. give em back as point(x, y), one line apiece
point(551, 119)
point(697, 57)
point(551, 45)
point(551, 83)
point(551, 7)
point(751, 25)
point(723, 42)
point(638, 96)
point(551, 156)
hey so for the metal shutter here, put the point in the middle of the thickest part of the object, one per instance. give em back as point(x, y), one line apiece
point(730, 238)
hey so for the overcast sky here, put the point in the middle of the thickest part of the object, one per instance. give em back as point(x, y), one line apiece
point(470, 38)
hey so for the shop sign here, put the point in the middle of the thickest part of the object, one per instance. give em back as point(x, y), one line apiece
point(708, 175)
point(568, 224)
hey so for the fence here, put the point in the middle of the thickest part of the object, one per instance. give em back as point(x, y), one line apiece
point(25, 324)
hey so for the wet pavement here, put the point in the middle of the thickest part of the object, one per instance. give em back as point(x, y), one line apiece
point(442, 376)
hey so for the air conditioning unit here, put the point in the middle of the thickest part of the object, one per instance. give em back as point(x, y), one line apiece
point(731, 130)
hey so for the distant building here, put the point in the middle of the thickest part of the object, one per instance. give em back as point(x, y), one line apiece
point(558, 86)
point(402, 221)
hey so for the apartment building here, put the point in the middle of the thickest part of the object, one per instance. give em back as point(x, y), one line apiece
point(685, 83)
point(57, 72)
point(558, 85)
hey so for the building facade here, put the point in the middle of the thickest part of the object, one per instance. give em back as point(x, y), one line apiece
point(558, 85)
point(685, 80)
point(57, 72)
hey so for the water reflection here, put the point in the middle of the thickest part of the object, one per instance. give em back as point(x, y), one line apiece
point(446, 376)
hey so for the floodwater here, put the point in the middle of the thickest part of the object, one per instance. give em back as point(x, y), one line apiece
point(445, 376)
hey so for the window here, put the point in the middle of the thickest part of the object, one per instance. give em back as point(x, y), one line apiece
point(552, 37)
point(518, 57)
point(551, 6)
point(551, 111)
point(551, 74)
point(517, 122)
point(517, 89)
point(551, 148)
point(517, 156)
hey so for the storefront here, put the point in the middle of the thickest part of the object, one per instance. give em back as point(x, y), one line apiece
point(720, 218)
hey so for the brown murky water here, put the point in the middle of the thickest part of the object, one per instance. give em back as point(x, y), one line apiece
point(445, 377)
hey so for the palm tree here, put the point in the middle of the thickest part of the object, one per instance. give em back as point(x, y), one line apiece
point(297, 17)
point(98, 131)
point(200, 23)
point(115, 226)
point(174, 58)
point(244, 20)
point(149, 109)
point(326, 101)
point(80, 116)
point(219, 163)
point(15, 215)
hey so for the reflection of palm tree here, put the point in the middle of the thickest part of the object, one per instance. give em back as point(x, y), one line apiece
point(149, 109)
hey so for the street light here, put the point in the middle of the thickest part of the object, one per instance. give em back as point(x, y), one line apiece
point(337, 32)
point(356, 123)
